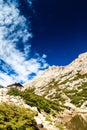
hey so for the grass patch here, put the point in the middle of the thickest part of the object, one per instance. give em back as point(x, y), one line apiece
point(80, 96)
point(79, 76)
point(59, 126)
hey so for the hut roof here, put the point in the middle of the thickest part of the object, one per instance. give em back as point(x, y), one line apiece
point(15, 84)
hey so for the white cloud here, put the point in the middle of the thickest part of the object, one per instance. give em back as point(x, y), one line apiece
point(13, 29)
point(44, 56)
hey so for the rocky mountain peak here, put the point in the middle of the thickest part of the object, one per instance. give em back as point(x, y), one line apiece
point(55, 72)
point(79, 64)
point(56, 79)
point(82, 59)
point(83, 55)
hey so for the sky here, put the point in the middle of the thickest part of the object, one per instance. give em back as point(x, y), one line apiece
point(36, 34)
point(60, 29)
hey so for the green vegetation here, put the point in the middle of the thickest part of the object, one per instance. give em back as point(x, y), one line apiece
point(59, 126)
point(34, 100)
point(16, 118)
point(77, 96)
point(64, 82)
point(48, 118)
point(70, 93)
point(79, 76)
point(77, 101)
point(58, 97)
point(83, 86)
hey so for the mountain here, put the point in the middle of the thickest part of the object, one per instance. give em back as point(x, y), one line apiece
point(54, 100)
point(66, 85)
point(79, 65)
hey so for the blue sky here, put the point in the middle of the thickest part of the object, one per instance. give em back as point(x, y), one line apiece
point(35, 34)
point(60, 28)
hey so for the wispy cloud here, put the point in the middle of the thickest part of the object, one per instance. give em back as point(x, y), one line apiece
point(29, 2)
point(17, 64)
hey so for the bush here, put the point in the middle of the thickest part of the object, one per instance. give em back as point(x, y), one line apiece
point(34, 100)
point(16, 118)
point(14, 91)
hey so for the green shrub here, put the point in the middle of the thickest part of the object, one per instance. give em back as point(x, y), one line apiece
point(34, 100)
point(16, 118)
point(14, 91)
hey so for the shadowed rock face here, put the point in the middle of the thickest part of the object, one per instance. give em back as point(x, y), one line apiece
point(40, 127)
point(77, 123)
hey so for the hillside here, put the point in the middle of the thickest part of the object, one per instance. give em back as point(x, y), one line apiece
point(26, 110)
point(67, 86)
point(63, 84)
point(56, 100)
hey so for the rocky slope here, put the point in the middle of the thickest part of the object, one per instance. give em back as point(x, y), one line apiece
point(57, 88)
point(64, 84)
point(17, 100)
point(67, 86)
